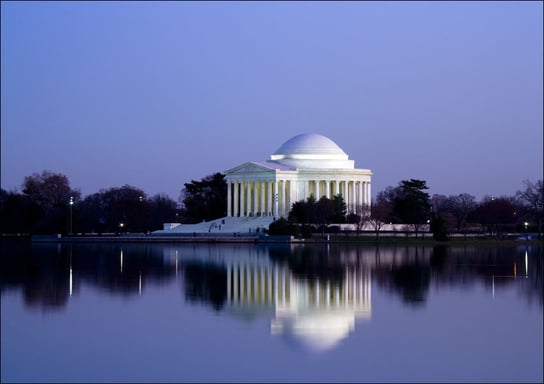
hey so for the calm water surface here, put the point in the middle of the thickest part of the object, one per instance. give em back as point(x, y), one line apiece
point(246, 313)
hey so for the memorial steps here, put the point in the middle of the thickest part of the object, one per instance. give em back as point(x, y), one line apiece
point(225, 225)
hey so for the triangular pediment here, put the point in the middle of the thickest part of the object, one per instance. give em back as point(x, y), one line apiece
point(250, 168)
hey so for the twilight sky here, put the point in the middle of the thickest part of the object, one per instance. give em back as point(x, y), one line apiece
point(156, 94)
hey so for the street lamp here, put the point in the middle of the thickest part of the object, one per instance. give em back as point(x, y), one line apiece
point(71, 204)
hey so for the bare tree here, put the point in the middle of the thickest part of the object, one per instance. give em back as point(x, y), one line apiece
point(359, 216)
point(49, 189)
point(496, 213)
point(461, 206)
point(380, 212)
point(532, 199)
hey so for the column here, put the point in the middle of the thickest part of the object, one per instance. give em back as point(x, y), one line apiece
point(287, 196)
point(255, 197)
point(262, 184)
point(327, 189)
point(306, 189)
point(236, 200)
point(345, 195)
point(361, 197)
point(281, 203)
point(276, 199)
point(270, 200)
point(316, 194)
point(229, 199)
point(336, 187)
point(248, 198)
point(353, 201)
point(242, 199)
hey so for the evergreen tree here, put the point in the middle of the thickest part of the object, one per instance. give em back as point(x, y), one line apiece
point(205, 200)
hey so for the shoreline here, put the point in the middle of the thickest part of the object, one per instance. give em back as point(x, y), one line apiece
point(266, 239)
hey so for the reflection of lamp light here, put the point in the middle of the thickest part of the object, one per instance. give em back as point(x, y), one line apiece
point(493, 286)
point(71, 279)
point(526, 265)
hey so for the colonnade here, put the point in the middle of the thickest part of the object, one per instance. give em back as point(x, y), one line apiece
point(275, 197)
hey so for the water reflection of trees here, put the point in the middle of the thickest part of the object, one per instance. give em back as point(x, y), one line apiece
point(47, 274)
point(311, 263)
point(205, 283)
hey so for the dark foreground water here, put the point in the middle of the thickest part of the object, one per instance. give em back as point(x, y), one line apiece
point(167, 312)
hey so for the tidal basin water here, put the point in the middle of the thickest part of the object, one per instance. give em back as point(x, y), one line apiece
point(248, 313)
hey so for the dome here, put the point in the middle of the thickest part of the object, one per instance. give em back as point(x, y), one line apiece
point(309, 145)
point(311, 150)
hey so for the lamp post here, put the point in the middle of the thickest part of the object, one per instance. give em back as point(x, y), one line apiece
point(71, 204)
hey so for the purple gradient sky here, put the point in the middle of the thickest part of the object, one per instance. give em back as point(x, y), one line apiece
point(156, 94)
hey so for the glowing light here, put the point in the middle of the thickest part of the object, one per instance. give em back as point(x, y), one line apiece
point(121, 257)
point(70, 281)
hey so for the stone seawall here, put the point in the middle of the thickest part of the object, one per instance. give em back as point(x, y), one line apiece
point(197, 238)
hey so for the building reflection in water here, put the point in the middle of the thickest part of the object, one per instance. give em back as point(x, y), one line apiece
point(313, 313)
point(318, 314)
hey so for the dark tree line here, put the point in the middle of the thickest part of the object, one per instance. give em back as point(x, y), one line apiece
point(408, 203)
point(48, 204)
point(124, 209)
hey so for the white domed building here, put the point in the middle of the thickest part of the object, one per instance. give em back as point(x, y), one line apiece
point(260, 192)
point(307, 164)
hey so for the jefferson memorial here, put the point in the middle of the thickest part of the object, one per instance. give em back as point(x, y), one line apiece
point(259, 192)
point(307, 164)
